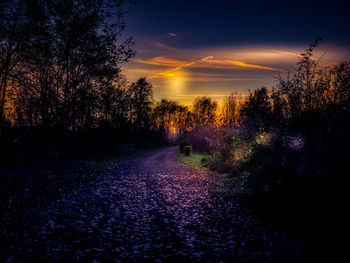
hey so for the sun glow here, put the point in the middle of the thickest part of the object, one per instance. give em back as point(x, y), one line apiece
point(176, 83)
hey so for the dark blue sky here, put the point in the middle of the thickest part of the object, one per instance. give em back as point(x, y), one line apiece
point(204, 23)
point(214, 47)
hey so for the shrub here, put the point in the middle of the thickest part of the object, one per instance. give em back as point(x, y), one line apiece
point(183, 143)
point(200, 137)
point(206, 139)
point(187, 150)
point(216, 163)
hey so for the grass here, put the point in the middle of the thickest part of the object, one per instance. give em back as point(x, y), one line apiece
point(193, 160)
point(222, 184)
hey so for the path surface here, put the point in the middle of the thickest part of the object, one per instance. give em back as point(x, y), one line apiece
point(152, 209)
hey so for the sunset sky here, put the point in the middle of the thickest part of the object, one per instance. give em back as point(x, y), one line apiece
point(191, 48)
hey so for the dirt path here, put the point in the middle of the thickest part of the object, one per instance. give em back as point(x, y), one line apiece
point(151, 209)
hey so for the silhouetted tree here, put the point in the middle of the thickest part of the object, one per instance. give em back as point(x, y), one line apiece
point(116, 105)
point(20, 21)
point(300, 93)
point(278, 107)
point(141, 95)
point(258, 106)
point(229, 109)
point(169, 114)
point(204, 111)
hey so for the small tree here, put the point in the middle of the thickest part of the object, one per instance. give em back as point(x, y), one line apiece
point(230, 109)
point(258, 106)
point(169, 114)
point(141, 99)
point(204, 111)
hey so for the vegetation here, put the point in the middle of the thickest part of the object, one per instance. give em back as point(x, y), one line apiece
point(285, 132)
point(290, 147)
point(183, 143)
point(187, 150)
point(195, 160)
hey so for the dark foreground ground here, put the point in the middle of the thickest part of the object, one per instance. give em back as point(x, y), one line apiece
point(145, 209)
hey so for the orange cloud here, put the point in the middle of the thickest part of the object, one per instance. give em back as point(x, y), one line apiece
point(172, 34)
point(206, 62)
point(237, 63)
point(186, 76)
point(291, 53)
point(206, 58)
point(159, 61)
point(188, 64)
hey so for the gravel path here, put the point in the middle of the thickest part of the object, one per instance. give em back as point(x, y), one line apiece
point(150, 209)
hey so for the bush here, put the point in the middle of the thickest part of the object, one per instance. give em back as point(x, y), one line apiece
point(187, 150)
point(184, 142)
point(200, 138)
point(208, 139)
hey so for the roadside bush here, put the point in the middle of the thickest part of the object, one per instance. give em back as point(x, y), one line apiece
point(201, 137)
point(230, 148)
point(183, 143)
point(187, 150)
point(266, 162)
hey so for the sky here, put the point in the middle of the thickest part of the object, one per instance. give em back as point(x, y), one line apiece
point(198, 47)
